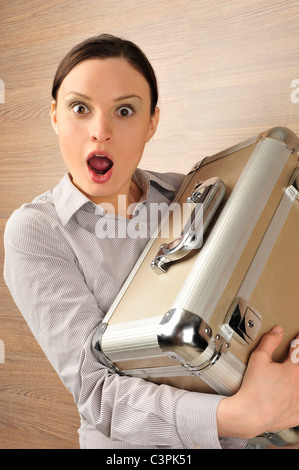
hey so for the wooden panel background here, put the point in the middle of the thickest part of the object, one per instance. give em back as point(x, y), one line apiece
point(225, 70)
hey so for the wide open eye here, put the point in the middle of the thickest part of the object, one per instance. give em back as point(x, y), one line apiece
point(125, 111)
point(80, 108)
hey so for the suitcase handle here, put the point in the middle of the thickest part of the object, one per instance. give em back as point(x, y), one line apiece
point(206, 197)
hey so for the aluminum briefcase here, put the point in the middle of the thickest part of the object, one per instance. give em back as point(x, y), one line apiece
point(195, 306)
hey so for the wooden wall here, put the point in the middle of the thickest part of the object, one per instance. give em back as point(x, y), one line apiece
point(225, 70)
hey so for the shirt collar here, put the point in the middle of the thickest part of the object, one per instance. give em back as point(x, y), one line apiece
point(68, 199)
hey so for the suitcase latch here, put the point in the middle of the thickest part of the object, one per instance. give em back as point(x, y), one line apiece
point(244, 320)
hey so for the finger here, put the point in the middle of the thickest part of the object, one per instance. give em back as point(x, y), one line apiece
point(270, 341)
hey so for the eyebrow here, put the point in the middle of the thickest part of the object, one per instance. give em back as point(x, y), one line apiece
point(119, 98)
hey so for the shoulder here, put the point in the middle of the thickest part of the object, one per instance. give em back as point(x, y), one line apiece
point(38, 212)
point(38, 215)
point(166, 184)
point(169, 180)
point(32, 225)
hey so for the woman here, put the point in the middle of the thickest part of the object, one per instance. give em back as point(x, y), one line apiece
point(104, 111)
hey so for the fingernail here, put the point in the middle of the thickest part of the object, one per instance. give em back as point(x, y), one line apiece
point(277, 330)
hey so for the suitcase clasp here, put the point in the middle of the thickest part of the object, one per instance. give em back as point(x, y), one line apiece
point(244, 320)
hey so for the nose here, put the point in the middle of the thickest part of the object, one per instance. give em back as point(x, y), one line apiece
point(101, 130)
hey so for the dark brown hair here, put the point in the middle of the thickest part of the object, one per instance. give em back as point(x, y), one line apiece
point(106, 46)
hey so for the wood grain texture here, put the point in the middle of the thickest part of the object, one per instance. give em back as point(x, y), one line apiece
point(224, 69)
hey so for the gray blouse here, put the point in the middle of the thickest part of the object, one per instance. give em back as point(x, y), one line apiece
point(63, 276)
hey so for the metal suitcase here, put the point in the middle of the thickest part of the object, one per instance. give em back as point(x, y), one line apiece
point(194, 307)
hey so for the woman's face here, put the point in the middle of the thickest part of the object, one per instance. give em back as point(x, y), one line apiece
point(103, 121)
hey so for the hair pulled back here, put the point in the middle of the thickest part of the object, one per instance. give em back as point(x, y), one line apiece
point(107, 46)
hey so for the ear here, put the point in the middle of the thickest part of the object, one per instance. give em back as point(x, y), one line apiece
point(153, 124)
point(54, 116)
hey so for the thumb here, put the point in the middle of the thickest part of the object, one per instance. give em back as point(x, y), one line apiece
point(270, 341)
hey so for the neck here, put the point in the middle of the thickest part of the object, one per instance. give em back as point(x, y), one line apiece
point(119, 203)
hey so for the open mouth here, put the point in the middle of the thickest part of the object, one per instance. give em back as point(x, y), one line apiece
point(99, 167)
point(100, 164)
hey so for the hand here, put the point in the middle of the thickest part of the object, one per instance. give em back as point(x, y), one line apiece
point(268, 399)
